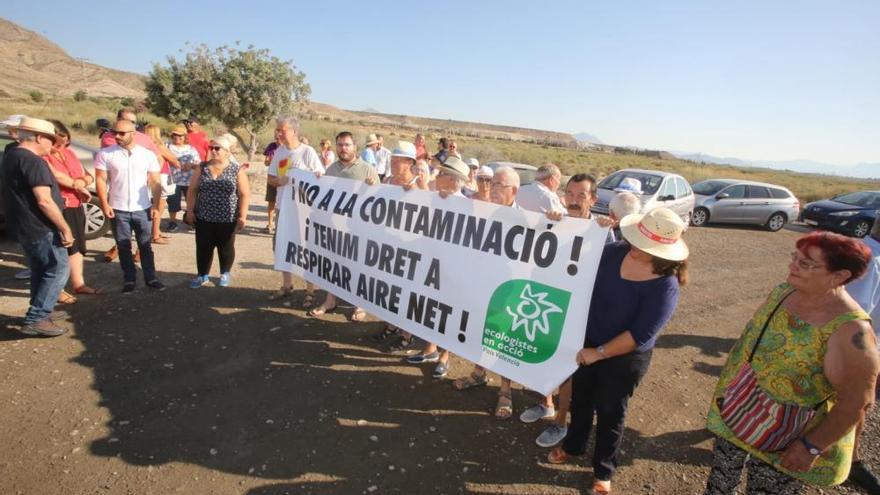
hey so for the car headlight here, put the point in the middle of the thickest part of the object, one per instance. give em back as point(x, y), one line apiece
point(843, 213)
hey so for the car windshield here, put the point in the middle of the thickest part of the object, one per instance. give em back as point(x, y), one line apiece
point(710, 187)
point(650, 182)
point(861, 198)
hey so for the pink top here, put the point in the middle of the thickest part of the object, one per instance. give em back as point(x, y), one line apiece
point(69, 165)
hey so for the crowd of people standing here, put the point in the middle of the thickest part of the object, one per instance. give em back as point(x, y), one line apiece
point(789, 403)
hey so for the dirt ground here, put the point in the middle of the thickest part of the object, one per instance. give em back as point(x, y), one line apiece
point(221, 391)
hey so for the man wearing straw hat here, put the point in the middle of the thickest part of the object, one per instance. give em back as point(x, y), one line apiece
point(370, 148)
point(35, 204)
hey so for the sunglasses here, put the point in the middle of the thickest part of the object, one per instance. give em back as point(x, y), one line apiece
point(177, 135)
point(215, 148)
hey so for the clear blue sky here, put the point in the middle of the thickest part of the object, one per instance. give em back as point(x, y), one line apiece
point(752, 79)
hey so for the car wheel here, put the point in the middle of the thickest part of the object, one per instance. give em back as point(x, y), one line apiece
point(700, 217)
point(776, 221)
point(861, 229)
point(97, 224)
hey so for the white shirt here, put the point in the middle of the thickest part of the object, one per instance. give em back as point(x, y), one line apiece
point(383, 160)
point(537, 197)
point(127, 176)
point(866, 290)
point(303, 157)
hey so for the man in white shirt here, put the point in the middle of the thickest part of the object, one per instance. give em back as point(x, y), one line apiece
point(291, 154)
point(383, 158)
point(130, 200)
point(541, 194)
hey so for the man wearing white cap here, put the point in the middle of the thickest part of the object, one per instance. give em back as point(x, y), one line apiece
point(126, 178)
point(34, 212)
point(541, 195)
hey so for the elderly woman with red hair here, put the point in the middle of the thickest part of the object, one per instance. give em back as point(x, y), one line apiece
point(799, 379)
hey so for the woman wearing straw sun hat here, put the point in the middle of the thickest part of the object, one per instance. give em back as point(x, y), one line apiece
point(635, 294)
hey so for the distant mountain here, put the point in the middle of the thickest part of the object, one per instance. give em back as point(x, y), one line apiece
point(583, 137)
point(861, 170)
point(30, 62)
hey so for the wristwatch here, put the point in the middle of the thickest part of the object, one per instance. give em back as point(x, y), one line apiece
point(812, 449)
point(601, 350)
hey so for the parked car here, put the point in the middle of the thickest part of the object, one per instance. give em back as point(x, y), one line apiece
point(658, 189)
point(97, 224)
point(526, 172)
point(851, 213)
point(744, 202)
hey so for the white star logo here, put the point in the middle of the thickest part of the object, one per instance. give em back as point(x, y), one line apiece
point(534, 309)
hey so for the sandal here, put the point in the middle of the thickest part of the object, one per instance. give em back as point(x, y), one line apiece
point(137, 256)
point(389, 331)
point(504, 407)
point(402, 344)
point(66, 298)
point(475, 379)
point(558, 456)
point(358, 315)
point(601, 486)
point(85, 289)
point(320, 310)
point(281, 293)
point(160, 240)
point(308, 301)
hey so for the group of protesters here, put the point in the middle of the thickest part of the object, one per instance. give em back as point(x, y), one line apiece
point(789, 404)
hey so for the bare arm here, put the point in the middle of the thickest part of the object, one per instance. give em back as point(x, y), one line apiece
point(101, 189)
point(165, 153)
point(191, 194)
point(47, 205)
point(277, 181)
point(624, 343)
point(244, 194)
point(851, 365)
point(155, 185)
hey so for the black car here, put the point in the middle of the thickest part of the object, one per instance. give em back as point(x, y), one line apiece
point(851, 213)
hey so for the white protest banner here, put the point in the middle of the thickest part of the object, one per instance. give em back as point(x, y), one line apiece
point(498, 286)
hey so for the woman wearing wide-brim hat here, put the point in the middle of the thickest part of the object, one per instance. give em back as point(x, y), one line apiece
point(634, 297)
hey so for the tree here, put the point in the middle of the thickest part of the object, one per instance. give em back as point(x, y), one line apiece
point(243, 89)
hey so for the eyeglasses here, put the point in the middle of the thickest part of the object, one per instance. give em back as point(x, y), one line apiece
point(177, 135)
point(215, 148)
point(484, 180)
point(121, 133)
point(803, 263)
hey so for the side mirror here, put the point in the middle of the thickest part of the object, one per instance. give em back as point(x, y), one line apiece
point(722, 196)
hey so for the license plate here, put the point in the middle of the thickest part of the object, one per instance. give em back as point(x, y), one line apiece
point(811, 222)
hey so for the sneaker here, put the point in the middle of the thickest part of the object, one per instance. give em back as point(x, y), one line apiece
point(23, 275)
point(156, 285)
point(43, 328)
point(432, 357)
point(59, 315)
point(199, 281)
point(225, 280)
point(441, 370)
point(551, 436)
point(536, 412)
point(128, 287)
point(861, 476)
point(171, 227)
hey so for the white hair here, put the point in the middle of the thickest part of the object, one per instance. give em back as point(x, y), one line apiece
point(506, 170)
point(546, 171)
point(290, 120)
point(623, 204)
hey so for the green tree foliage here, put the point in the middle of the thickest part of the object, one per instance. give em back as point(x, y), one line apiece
point(243, 89)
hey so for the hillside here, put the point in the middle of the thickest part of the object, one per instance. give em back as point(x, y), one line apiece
point(30, 62)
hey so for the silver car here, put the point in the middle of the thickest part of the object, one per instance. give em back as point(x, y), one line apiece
point(744, 202)
point(658, 189)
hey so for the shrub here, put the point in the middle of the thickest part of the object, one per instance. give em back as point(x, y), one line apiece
point(37, 96)
point(80, 95)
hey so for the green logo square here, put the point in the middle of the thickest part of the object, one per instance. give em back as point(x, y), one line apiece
point(524, 320)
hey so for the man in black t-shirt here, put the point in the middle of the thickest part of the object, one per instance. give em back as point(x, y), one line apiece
point(33, 206)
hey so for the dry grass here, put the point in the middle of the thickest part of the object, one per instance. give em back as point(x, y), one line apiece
point(80, 117)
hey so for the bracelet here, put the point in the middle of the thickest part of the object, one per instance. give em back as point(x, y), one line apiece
point(812, 449)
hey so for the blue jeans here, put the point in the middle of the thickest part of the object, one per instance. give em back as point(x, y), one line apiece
point(123, 224)
point(49, 273)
